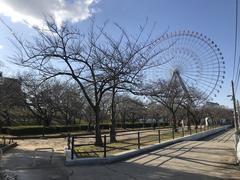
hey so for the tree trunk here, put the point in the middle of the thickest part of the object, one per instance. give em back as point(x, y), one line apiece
point(133, 121)
point(174, 122)
point(188, 121)
point(89, 125)
point(98, 137)
point(195, 121)
point(113, 118)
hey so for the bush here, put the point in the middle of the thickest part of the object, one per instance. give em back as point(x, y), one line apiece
point(37, 130)
point(57, 129)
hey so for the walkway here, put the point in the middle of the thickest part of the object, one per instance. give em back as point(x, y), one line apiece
point(212, 158)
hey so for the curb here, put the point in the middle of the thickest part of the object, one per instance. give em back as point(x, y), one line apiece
point(146, 149)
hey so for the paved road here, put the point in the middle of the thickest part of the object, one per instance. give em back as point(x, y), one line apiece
point(212, 158)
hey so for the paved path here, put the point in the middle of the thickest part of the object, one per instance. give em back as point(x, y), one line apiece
point(212, 158)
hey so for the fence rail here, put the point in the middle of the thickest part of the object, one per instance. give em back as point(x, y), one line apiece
point(4, 141)
point(83, 146)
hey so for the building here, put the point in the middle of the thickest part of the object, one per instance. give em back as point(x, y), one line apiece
point(211, 104)
point(10, 90)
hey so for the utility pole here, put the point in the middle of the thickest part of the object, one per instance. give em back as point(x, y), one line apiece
point(234, 108)
point(238, 112)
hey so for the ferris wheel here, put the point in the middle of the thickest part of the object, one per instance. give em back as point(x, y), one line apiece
point(194, 57)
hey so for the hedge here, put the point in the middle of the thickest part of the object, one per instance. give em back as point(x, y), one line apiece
point(38, 130)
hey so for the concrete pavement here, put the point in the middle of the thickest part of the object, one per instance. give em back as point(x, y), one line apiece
point(212, 158)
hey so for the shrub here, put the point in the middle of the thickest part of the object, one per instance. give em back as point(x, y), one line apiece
point(56, 129)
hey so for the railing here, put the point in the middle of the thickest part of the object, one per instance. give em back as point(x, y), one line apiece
point(43, 150)
point(83, 146)
point(4, 141)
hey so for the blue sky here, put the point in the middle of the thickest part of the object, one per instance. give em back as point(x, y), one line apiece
point(214, 18)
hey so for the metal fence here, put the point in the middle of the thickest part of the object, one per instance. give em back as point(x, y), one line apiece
point(4, 141)
point(84, 147)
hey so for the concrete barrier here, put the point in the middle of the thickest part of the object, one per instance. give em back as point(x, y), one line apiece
point(136, 152)
point(237, 147)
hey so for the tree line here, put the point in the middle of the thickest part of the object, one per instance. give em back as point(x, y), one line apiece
point(96, 76)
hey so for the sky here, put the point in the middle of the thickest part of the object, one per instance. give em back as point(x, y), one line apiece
point(214, 18)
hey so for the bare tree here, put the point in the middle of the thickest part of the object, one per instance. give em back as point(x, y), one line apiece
point(68, 100)
point(193, 100)
point(129, 110)
point(39, 99)
point(216, 113)
point(65, 51)
point(124, 60)
point(170, 94)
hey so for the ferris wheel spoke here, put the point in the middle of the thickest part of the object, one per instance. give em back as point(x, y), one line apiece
point(205, 81)
point(197, 59)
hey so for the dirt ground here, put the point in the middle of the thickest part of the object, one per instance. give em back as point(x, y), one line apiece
point(212, 158)
point(57, 144)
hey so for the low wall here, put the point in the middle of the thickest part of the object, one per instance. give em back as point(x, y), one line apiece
point(136, 152)
point(237, 147)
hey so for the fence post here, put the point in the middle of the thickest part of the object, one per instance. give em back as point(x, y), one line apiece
point(68, 141)
point(138, 140)
point(182, 131)
point(173, 133)
point(159, 136)
point(72, 150)
point(104, 145)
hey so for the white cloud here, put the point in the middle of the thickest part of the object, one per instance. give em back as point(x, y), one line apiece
point(33, 12)
point(1, 46)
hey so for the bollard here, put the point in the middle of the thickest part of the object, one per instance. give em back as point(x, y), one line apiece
point(159, 136)
point(138, 140)
point(190, 130)
point(183, 131)
point(104, 145)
